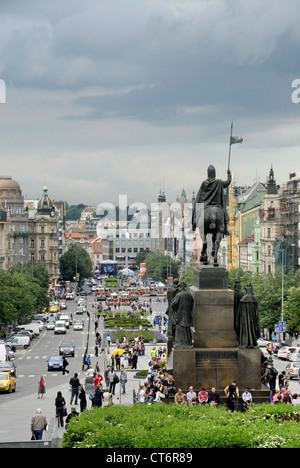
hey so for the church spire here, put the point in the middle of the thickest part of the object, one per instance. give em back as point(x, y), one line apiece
point(271, 184)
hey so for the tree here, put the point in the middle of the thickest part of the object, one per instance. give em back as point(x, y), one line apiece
point(159, 267)
point(20, 297)
point(75, 260)
point(268, 290)
point(188, 277)
point(292, 310)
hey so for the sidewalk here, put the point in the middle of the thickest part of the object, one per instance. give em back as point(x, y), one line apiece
point(17, 414)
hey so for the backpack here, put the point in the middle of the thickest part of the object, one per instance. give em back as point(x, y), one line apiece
point(116, 379)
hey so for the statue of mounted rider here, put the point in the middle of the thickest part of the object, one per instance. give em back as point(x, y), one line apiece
point(210, 214)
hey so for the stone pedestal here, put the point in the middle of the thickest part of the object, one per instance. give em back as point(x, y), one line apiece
point(213, 318)
point(215, 360)
point(207, 277)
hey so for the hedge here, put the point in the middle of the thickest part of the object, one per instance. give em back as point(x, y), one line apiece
point(169, 426)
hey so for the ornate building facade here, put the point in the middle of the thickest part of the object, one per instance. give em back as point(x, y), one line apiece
point(44, 245)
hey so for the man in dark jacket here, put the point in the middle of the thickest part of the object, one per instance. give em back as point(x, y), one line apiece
point(75, 384)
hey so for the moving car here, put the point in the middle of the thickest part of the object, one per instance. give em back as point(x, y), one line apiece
point(80, 310)
point(60, 327)
point(55, 363)
point(66, 349)
point(78, 325)
point(50, 325)
point(8, 366)
point(66, 319)
point(7, 382)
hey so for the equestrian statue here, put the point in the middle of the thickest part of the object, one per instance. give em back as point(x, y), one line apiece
point(210, 214)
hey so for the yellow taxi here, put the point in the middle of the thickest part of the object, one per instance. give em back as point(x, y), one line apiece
point(7, 382)
point(54, 308)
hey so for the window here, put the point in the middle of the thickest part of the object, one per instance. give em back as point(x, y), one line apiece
point(42, 244)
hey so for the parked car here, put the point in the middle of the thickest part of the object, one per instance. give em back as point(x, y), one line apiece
point(18, 341)
point(291, 370)
point(3, 352)
point(294, 354)
point(66, 349)
point(262, 342)
point(283, 353)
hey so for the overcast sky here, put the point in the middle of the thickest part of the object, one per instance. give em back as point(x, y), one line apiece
point(109, 97)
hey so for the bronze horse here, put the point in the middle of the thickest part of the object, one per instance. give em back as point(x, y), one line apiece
point(214, 224)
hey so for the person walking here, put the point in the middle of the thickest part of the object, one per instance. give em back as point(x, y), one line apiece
point(232, 394)
point(42, 387)
point(113, 380)
point(134, 360)
point(98, 397)
point(123, 379)
point(106, 376)
point(88, 362)
point(82, 398)
point(65, 365)
point(75, 384)
point(60, 405)
point(38, 425)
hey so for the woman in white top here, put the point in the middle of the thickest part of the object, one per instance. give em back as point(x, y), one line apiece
point(107, 398)
point(142, 394)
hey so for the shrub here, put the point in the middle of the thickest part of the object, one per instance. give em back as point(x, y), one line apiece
point(168, 426)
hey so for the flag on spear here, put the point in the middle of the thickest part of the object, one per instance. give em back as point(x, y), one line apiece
point(234, 140)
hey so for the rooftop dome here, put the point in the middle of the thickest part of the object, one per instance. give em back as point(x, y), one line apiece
point(45, 204)
point(7, 183)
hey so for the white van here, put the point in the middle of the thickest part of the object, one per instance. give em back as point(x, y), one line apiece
point(33, 327)
point(18, 341)
point(60, 327)
point(66, 319)
point(3, 353)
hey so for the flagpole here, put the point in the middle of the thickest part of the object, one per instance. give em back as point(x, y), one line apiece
point(230, 146)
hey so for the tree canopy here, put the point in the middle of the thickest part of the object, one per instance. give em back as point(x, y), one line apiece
point(23, 292)
point(268, 290)
point(76, 259)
